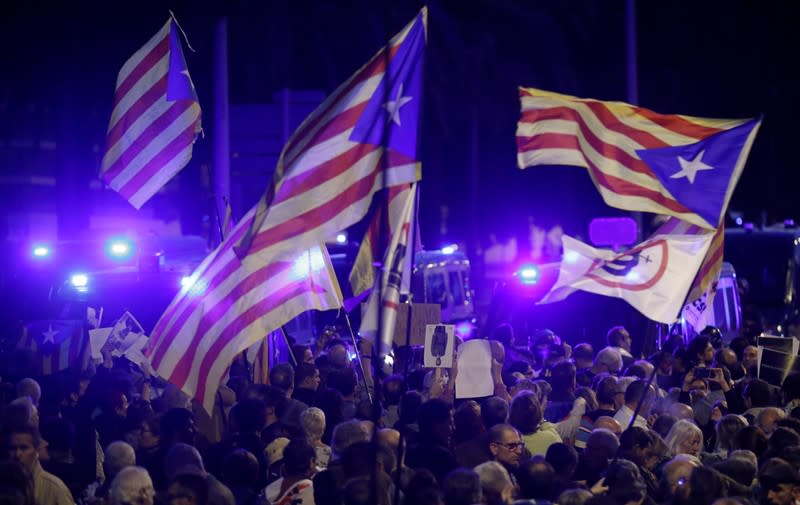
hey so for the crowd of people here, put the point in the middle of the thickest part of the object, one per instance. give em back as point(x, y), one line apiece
point(691, 424)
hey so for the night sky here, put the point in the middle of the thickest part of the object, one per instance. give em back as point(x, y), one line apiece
point(714, 59)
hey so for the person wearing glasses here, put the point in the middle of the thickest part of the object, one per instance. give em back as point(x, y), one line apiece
point(506, 446)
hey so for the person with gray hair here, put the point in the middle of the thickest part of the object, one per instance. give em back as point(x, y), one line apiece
point(30, 388)
point(21, 412)
point(684, 438)
point(608, 360)
point(495, 483)
point(118, 455)
point(675, 477)
point(185, 459)
point(574, 496)
point(312, 420)
point(346, 434)
point(132, 486)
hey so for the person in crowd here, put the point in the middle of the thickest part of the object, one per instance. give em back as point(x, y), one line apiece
point(536, 478)
point(726, 430)
point(526, 417)
point(462, 486)
point(637, 392)
point(295, 487)
point(753, 439)
point(240, 472)
point(505, 446)
point(312, 420)
point(564, 460)
point(619, 338)
point(583, 357)
point(606, 396)
point(185, 459)
point(640, 446)
point(23, 449)
point(496, 484)
point(432, 450)
point(684, 438)
point(29, 388)
point(393, 390)
point(307, 379)
point(471, 446)
point(625, 483)
point(132, 486)
point(701, 352)
point(281, 376)
point(188, 489)
point(768, 419)
point(675, 479)
point(780, 482)
point(601, 447)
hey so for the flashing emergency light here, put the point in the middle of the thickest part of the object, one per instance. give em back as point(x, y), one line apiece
point(79, 280)
point(341, 238)
point(464, 329)
point(450, 249)
point(528, 274)
point(119, 248)
point(41, 251)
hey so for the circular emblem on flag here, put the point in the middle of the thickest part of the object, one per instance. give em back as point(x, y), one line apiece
point(636, 270)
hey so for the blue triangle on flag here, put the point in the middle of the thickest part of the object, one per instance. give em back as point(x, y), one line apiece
point(698, 175)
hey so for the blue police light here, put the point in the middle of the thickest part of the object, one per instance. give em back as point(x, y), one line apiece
point(449, 249)
point(41, 251)
point(528, 274)
point(341, 238)
point(119, 248)
point(79, 281)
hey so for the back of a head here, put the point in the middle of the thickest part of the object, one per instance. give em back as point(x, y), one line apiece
point(535, 477)
point(636, 370)
point(282, 376)
point(129, 484)
point(783, 437)
point(431, 413)
point(625, 482)
point(526, 413)
point(409, 407)
point(635, 391)
point(191, 485)
point(20, 412)
point(609, 357)
point(603, 443)
point(634, 437)
point(494, 410)
point(183, 458)
point(758, 391)
point(312, 420)
point(249, 415)
point(357, 460)
point(562, 377)
point(740, 470)
point(615, 336)
point(495, 481)
point(574, 496)
point(422, 489)
point(607, 390)
point(751, 438)
point(563, 458)
point(727, 428)
point(240, 469)
point(346, 434)
point(174, 422)
point(343, 380)
point(298, 458)
point(663, 424)
point(357, 492)
point(30, 388)
point(583, 352)
point(705, 485)
point(118, 455)
point(504, 333)
point(462, 486)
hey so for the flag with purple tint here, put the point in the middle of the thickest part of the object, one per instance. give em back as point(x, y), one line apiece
point(391, 115)
point(179, 83)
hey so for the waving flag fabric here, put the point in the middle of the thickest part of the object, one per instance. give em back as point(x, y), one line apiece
point(229, 305)
point(395, 264)
point(332, 165)
point(58, 343)
point(639, 160)
point(155, 120)
point(654, 276)
point(325, 179)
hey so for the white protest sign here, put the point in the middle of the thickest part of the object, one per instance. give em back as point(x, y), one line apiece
point(474, 377)
point(439, 341)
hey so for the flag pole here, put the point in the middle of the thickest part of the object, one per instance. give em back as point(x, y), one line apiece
point(358, 356)
point(221, 146)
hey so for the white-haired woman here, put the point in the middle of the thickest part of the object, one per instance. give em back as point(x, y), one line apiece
point(313, 422)
point(132, 486)
point(685, 438)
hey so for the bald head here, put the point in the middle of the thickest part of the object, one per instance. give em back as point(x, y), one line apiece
point(608, 423)
point(681, 411)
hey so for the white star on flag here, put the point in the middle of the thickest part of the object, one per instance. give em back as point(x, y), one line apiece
point(690, 168)
point(49, 335)
point(393, 106)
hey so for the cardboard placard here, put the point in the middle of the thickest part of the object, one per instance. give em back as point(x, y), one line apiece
point(422, 314)
point(774, 366)
point(439, 342)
